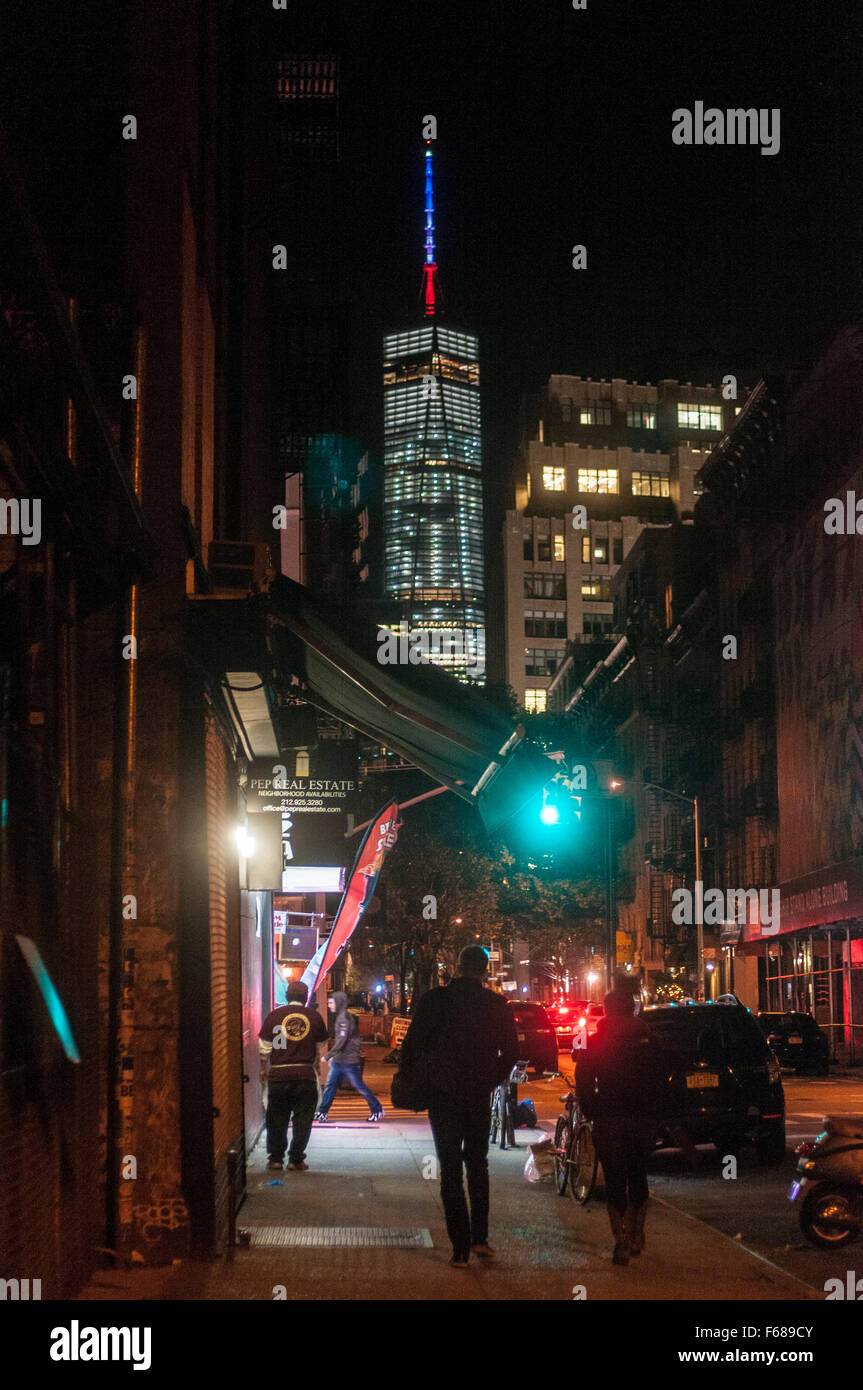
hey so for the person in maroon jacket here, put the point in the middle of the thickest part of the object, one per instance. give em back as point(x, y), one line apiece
point(619, 1083)
point(292, 1039)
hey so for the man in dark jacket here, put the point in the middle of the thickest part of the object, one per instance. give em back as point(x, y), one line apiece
point(462, 1042)
point(619, 1085)
point(292, 1039)
point(344, 1059)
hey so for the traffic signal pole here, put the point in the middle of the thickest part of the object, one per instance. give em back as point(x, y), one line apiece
point(611, 937)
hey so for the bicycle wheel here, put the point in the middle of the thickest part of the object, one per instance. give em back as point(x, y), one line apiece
point(510, 1122)
point(503, 1114)
point(584, 1163)
point(562, 1143)
point(495, 1118)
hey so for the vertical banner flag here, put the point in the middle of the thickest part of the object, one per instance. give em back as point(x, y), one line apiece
point(378, 839)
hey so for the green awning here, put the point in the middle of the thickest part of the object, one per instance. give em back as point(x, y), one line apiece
point(446, 728)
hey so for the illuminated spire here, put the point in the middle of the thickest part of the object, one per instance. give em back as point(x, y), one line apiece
point(429, 286)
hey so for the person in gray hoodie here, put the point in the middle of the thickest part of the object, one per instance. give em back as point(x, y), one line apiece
point(344, 1060)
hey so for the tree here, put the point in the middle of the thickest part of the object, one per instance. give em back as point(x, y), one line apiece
point(560, 919)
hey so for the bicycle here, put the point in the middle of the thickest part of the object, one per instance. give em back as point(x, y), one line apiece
point(503, 1106)
point(576, 1163)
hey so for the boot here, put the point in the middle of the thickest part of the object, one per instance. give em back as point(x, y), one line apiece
point(636, 1217)
point(620, 1231)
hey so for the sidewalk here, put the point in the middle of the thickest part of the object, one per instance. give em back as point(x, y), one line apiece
point(374, 1176)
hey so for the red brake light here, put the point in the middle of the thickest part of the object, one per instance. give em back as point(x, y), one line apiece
point(562, 1010)
point(581, 1022)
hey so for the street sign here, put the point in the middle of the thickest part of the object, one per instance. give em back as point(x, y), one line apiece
point(400, 1027)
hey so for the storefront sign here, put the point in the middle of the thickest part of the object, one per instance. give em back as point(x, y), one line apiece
point(832, 894)
point(321, 782)
point(312, 792)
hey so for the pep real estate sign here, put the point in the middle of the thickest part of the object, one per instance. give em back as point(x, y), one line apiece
point(312, 793)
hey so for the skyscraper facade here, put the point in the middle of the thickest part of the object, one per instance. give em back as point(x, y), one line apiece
point(433, 505)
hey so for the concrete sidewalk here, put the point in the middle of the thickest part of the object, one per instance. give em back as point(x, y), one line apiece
point(377, 1176)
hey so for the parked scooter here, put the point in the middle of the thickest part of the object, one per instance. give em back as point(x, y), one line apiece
point(829, 1185)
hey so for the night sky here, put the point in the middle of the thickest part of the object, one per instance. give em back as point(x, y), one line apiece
point(554, 128)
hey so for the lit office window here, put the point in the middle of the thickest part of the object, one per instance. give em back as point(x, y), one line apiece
point(600, 550)
point(699, 417)
point(585, 550)
point(595, 586)
point(597, 480)
point(641, 417)
point(650, 485)
point(559, 552)
point(554, 479)
point(535, 701)
point(585, 417)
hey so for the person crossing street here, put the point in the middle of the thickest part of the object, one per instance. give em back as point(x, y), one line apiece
point(344, 1059)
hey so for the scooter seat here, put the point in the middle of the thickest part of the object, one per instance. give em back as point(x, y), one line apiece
point(850, 1126)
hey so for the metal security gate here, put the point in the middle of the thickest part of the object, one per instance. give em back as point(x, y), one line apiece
point(225, 984)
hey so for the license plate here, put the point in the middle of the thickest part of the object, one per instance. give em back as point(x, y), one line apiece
point(520, 1037)
point(795, 1040)
point(794, 1189)
point(700, 1080)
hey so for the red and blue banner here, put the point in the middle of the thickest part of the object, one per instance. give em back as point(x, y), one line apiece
point(377, 841)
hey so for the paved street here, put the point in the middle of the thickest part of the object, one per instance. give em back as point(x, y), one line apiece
point(755, 1206)
point(380, 1178)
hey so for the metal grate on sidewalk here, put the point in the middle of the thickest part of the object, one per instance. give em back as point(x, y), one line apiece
point(352, 1237)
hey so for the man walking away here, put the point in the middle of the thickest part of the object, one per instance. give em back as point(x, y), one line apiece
point(344, 1060)
point(619, 1082)
point(292, 1039)
point(462, 1042)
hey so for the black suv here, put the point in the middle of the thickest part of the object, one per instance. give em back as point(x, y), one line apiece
point(723, 1083)
point(797, 1041)
point(537, 1040)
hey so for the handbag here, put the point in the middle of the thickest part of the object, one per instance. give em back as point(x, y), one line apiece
point(405, 1094)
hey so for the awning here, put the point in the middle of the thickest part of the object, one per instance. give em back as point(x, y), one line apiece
point(448, 729)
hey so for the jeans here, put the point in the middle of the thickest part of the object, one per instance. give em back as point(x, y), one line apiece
point(287, 1099)
point(352, 1072)
point(460, 1129)
point(624, 1143)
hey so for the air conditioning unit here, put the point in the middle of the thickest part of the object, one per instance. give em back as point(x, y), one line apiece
point(235, 566)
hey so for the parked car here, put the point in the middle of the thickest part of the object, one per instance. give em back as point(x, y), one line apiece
point(573, 1015)
point(536, 1036)
point(797, 1041)
point(723, 1082)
